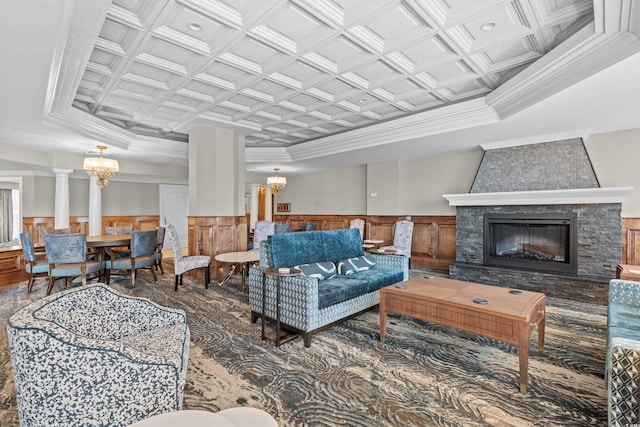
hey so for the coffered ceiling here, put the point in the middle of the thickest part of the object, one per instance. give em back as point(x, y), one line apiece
point(306, 80)
point(285, 72)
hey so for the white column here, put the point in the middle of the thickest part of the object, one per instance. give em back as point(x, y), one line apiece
point(95, 207)
point(253, 207)
point(268, 202)
point(61, 209)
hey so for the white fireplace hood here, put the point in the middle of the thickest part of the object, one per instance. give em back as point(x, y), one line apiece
point(541, 197)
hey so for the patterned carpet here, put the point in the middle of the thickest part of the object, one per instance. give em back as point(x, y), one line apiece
point(425, 375)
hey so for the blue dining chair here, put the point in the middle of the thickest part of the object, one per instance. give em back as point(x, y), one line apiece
point(67, 257)
point(143, 248)
point(32, 266)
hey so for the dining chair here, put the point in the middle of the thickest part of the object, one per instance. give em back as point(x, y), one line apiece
point(32, 266)
point(359, 224)
point(311, 226)
point(282, 228)
point(402, 237)
point(110, 231)
point(67, 257)
point(157, 256)
point(182, 264)
point(143, 247)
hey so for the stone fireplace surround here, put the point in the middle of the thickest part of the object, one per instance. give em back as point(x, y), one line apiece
point(545, 178)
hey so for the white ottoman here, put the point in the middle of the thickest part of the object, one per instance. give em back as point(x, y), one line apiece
point(232, 417)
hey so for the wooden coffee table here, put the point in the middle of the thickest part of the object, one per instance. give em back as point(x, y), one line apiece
point(500, 313)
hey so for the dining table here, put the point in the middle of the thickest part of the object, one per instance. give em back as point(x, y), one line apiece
point(100, 243)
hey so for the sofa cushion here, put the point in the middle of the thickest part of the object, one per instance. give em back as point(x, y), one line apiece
point(339, 289)
point(343, 288)
point(319, 270)
point(377, 278)
point(305, 247)
point(353, 265)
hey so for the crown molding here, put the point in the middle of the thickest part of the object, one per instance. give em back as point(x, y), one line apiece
point(446, 119)
point(266, 154)
point(612, 37)
point(542, 197)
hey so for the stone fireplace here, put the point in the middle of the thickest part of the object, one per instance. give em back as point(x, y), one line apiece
point(537, 219)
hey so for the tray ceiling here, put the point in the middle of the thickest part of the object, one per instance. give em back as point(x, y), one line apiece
point(286, 72)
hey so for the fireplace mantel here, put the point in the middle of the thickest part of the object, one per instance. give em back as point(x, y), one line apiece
point(541, 197)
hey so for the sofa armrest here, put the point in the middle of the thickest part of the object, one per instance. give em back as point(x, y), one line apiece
point(298, 298)
point(624, 291)
point(393, 262)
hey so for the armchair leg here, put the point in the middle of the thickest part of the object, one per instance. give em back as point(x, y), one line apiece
point(30, 285)
point(206, 277)
point(176, 283)
point(155, 278)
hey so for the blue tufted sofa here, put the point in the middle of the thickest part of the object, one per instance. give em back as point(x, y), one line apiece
point(307, 304)
point(93, 356)
point(622, 367)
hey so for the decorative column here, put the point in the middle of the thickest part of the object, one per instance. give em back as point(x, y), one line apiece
point(61, 209)
point(268, 205)
point(217, 219)
point(253, 209)
point(95, 206)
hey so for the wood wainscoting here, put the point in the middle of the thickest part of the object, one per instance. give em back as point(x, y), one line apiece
point(80, 224)
point(631, 241)
point(434, 237)
point(210, 235)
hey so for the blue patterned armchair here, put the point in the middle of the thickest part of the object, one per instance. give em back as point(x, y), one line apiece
point(93, 356)
point(622, 366)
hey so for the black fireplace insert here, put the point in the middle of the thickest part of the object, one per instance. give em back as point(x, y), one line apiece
point(541, 242)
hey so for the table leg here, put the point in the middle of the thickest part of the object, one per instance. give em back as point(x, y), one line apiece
point(524, 334)
point(244, 272)
point(383, 323)
point(231, 271)
point(264, 302)
point(277, 311)
point(541, 335)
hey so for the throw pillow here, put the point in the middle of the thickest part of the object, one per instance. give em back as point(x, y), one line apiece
point(319, 270)
point(353, 265)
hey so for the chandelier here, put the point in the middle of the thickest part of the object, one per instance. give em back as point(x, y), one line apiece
point(276, 182)
point(101, 167)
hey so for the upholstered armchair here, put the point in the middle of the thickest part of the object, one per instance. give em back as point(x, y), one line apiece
point(93, 356)
point(281, 228)
point(262, 230)
point(143, 248)
point(32, 266)
point(622, 362)
point(402, 238)
point(182, 264)
point(67, 257)
point(359, 225)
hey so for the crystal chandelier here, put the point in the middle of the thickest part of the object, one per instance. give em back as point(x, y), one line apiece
point(101, 167)
point(276, 182)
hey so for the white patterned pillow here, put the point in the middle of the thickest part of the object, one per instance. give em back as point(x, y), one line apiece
point(319, 270)
point(353, 265)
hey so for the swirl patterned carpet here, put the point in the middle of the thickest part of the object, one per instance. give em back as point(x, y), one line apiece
point(425, 375)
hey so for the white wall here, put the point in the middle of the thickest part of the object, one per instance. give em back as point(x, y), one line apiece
point(334, 192)
point(615, 157)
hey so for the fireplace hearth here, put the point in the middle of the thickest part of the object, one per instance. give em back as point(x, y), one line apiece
point(531, 242)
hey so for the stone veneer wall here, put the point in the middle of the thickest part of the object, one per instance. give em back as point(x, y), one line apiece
point(557, 165)
point(599, 251)
point(545, 166)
